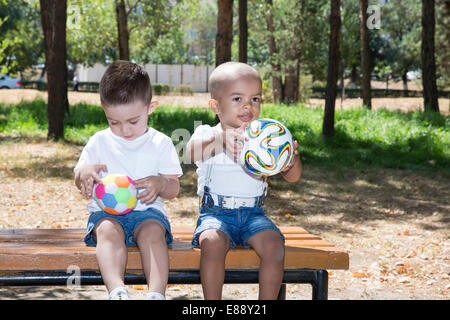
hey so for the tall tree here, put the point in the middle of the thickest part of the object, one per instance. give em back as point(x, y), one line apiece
point(122, 28)
point(430, 96)
point(54, 16)
point(294, 52)
point(224, 37)
point(365, 55)
point(243, 31)
point(333, 68)
point(277, 84)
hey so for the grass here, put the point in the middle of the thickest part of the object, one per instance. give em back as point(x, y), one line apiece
point(363, 138)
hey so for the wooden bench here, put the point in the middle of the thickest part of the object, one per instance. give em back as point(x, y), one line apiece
point(40, 257)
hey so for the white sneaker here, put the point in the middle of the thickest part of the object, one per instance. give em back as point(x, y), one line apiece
point(119, 293)
point(155, 296)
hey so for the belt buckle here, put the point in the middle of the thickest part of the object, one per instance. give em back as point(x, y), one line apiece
point(229, 202)
point(244, 203)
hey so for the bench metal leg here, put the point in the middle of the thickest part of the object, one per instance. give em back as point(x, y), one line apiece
point(282, 293)
point(320, 285)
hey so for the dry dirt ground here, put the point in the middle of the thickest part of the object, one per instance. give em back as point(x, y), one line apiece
point(393, 223)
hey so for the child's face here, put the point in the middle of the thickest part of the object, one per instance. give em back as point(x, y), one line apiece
point(129, 121)
point(238, 103)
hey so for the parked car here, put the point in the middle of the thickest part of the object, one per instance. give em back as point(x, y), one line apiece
point(8, 82)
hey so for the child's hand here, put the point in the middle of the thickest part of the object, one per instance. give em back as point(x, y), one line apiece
point(293, 160)
point(232, 138)
point(88, 176)
point(153, 185)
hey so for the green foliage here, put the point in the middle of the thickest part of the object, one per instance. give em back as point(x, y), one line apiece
point(161, 89)
point(401, 30)
point(21, 41)
point(154, 32)
point(25, 118)
point(443, 44)
point(349, 46)
point(301, 31)
point(185, 90)
point(363, 138)
point(92, 35)
point(199, 22)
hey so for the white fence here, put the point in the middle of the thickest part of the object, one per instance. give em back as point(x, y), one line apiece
point(173, 74)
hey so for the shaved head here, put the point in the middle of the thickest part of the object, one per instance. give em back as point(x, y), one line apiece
point(227, 72)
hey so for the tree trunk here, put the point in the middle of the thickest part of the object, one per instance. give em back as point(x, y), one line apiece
point(405, 82)
point(290, 88)
point(243, 31)
point(54, 16)
point(291, 81)
point(353, 77)
point(365, 58)
point(122, 29)
point(224, 37)
point(277, 85)
point(333, 68)
point(430, 95)
point(342, 81)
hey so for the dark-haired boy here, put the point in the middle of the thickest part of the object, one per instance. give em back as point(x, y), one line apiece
point(147, 156)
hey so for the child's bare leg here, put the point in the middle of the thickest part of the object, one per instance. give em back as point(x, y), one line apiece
point(151, 240)
point(270, 249)
point(111, 253)
point(214, 246)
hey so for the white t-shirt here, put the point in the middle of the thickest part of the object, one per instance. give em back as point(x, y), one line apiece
point(227, 176)
point(151, 154)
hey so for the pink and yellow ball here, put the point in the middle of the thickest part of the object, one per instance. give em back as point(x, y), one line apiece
point(116, 194)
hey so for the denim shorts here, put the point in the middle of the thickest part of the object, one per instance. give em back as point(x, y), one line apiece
point(129, 223)
point(237, 224)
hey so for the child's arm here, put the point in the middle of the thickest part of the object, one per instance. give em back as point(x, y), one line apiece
point(86, 176)
point(166, 186)
point(293, 171)
point(203, 149)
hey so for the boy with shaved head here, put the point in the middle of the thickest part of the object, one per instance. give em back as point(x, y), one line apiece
point(231, 199)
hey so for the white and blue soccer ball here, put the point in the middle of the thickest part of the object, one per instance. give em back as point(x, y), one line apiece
point(269, 149)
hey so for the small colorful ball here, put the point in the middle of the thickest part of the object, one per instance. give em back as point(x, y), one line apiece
point(116, 194)
point(269, 149)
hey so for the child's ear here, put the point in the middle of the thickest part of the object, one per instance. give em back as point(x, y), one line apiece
point(152, 107)
point(214, 105)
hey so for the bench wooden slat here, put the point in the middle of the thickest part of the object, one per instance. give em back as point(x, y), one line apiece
point(42, 238)
point(57, 249)
point(176, 230)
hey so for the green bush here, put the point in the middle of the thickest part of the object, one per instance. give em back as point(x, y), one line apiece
point(161, 89)
point(185, 90)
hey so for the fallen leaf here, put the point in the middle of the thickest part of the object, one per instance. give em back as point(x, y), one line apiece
point(137, 287)
point(358, 274)
point(404, 280)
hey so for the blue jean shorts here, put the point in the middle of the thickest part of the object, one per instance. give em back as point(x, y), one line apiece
point(129, 223)
point(237, 224)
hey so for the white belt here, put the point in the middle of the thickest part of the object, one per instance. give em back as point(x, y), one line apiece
point(234, 202)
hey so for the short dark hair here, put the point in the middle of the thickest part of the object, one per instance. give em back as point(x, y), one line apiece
point(124, 82)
